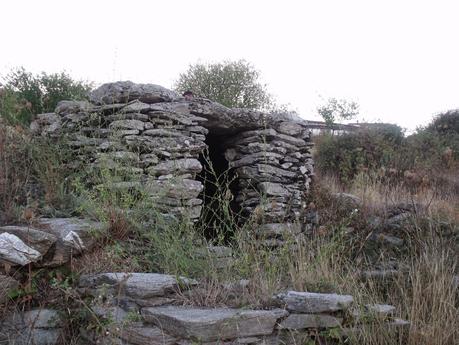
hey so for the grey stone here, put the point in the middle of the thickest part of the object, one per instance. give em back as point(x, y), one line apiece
point(125, 91)
point(34, 238)
point(278, 229)
point(273, 189)
point(74, 236)
point(213, 324)
point(383, 274)
point(380, 309)
point(135, 107)
point(14, 251)
point(157, 145)
point(125, 156)
point(71, 107)
point(372, 312)
point(7, 284)
point(399, 323)
point(170, 117)
point(127, 124)
point(348, 199)
point(146, 335)
point(137, 285)
point(40, 336)
point(111, 314)
point(177, 167)
point(128, 116)
point(160, 132)
point(175, 188)
point(259, 157)
point(290, 128)
point(302, 321)
point(398, 221)
point(311, 302)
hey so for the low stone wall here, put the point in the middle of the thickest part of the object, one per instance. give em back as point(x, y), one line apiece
point(148, 309)
point(153, 139)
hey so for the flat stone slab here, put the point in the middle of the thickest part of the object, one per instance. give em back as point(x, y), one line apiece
point(213, 324)
point(380, 309)
point(138, 334)
point(311, 302)
point(302, 321)
point(14, 251)
point(138, 285)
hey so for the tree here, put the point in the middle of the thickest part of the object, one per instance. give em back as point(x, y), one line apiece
point(25, 94)
point(234, 84)
point(338, 109)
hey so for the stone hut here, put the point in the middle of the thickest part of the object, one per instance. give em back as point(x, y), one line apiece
point(164, 145)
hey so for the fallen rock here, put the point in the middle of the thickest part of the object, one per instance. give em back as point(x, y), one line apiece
point(14, 251)
point(74, 236)
point(311, 302)
point(34, 238)
point(137, 285)
point(348, 199)
point(213, 324)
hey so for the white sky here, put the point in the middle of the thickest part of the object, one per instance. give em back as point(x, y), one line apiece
point(398, 59)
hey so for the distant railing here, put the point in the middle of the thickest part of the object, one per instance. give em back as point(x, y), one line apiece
point(337, 128)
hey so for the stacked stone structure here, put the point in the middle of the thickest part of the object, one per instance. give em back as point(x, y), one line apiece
point(153, 139)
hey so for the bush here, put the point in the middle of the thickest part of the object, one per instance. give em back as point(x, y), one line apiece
point(379, 147)
point(368, 149)
point(231, 83)
point(25, 94)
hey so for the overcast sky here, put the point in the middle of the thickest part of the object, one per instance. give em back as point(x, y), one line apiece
point(398, 59)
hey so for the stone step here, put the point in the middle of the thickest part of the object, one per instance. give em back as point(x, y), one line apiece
point(137, 285)
point(311, 302)
point(207, 325)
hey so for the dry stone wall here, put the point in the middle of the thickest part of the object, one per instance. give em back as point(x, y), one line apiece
point(148, 308)
point(153, 139)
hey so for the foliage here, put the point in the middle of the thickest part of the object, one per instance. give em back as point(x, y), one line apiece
point(338, 109)
point(15, 171)
point(379, 147)
point(25, 94)
point(231, 83)
point(367, 149)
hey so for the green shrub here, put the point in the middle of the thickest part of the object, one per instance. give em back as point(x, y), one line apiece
point(379, 147)
point(25, 94)
point(367, 149)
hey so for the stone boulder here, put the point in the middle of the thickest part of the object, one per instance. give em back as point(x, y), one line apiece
point(13, 251)
point(34, 238)
point(125, 91)
point(74, 236)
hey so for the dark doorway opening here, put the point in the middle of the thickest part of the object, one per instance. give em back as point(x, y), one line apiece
point(220, 211)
